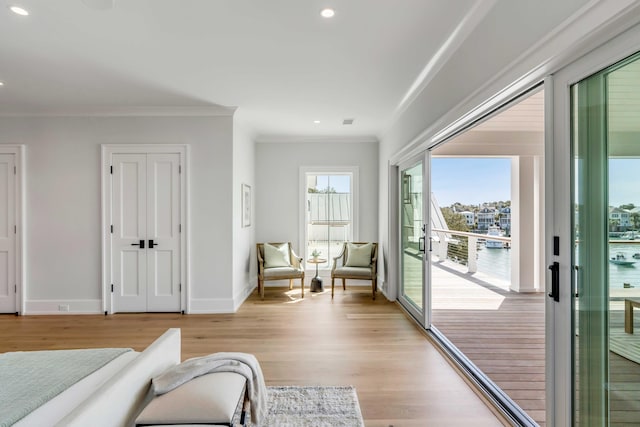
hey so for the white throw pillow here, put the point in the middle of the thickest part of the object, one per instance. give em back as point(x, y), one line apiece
point(358, 256)
point(276, 256)
point(208, 399)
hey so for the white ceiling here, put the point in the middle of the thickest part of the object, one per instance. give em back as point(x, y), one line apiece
point(278, 61)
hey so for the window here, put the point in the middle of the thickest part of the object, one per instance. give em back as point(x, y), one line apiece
point(329, 211)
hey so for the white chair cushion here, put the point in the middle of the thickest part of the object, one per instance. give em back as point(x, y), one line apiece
point(276, 256)
point(209, 399)
point(281, 272)
point(352, 272)
point(358, 256)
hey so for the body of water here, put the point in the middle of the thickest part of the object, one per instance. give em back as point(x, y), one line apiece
point(497, 262)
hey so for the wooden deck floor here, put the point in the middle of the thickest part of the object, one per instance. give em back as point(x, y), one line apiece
point(501, 332)
point(400, 378)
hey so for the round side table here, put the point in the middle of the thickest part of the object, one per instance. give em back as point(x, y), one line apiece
point(316, 282)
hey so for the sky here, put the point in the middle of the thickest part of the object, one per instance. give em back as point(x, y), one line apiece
point(470, 181)
point(341, 183)
point(624, 181)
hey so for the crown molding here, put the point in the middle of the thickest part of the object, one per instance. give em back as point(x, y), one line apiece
point(115, 111)
point(289, 139)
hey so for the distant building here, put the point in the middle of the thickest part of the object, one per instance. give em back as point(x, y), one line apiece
point(505, 218)
point(486, 218)
point(620, 218)
point(470, 217)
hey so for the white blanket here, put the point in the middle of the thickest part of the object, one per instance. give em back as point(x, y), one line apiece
point(241, 363)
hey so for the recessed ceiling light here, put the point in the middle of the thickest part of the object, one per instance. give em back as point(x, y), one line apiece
point(316, 121)
point(327, 13)
point(1, 84)
point(19, 10)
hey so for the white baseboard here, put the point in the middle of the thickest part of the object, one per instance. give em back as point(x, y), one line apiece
point(211, 306)
point(40, 307)
point(242, 296)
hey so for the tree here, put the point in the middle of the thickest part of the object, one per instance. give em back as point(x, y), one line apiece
point(635, 220)
point(628, 206)
point(614, 224)
point(455, 221)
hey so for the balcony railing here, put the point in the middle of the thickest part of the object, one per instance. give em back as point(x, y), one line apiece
point(441, 239)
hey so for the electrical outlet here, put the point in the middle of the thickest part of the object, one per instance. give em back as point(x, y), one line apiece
point(63, 307)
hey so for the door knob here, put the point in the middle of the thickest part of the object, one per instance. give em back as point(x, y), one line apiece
point(151, 244)
point(141, 244)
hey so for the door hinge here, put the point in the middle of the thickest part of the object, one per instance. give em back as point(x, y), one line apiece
point(179, 228)
point(15, 170)
point(179, 168)
point(15, 288)
point(112, 288)
point(180, 287)
point(111, 228)
point(15, 229)
point(111, 169)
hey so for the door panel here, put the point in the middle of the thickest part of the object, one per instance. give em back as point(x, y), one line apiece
point(163, 227)
point(412, 238)
point(7, 234)
point(606, 157)
point(129, 215)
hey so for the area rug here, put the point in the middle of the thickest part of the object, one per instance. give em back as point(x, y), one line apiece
point(293, 406)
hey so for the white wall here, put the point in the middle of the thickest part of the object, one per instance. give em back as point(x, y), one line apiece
point(278, 187)
point(63, 204)
point(244, 238)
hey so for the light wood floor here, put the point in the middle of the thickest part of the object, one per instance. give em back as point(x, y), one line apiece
point(401, 379)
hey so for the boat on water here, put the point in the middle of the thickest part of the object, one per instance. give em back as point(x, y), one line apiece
point(494, 244)
point(621, 259)
point(630, 235)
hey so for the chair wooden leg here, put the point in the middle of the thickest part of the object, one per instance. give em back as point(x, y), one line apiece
point(290, 284)
point(302, 286)
point(344, 284)
point(374, 287)
point(332, 283)
point(261, 288)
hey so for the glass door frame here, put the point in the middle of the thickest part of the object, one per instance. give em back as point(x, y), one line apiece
point(422, 316)
point(560, 219)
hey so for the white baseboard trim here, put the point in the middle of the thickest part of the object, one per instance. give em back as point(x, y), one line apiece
point(242, 296)
point(211, 306)
point(41, 307)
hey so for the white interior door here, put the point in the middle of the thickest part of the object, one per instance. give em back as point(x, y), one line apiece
point(145, 241)
point(7, 234)
point(163, 232)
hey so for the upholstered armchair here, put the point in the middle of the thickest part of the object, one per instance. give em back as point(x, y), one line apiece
point(357, 260)
point(278, 261)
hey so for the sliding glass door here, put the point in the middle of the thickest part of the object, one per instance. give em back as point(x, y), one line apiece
point(605, 112)
point(413, 244)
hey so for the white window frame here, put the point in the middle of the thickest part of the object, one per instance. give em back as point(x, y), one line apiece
point(354, 171)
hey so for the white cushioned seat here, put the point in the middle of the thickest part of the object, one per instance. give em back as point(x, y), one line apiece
point(283, 272)
point(353, 272)
point(209, 399)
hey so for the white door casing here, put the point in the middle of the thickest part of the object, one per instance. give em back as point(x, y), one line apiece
point(145, 205)
point(8, 286)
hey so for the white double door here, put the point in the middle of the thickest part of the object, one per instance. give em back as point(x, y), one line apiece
point(7, 234)
point(146, 236)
